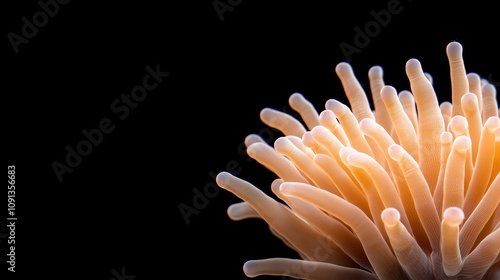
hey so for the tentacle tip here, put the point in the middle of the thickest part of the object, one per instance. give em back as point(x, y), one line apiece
point(388, 92)
point(366, 124)
point(390, 217)
point(414, 69)
point(474, 76)
point(446, 137)
point(343, 68)
point(223, 178)
point(308, 139)
point(253, 148)
point(319, 157)
point(459, 124)
point(453, 216)
point(492, 123)
point(405, 94)
point(318, 131)
point(356, 159)
point(232, 212)
point(462, 143)
point(266, 114)
point(275, 185)
point(345, 152)
point(375, 72)
point(412, 64)
point(286, 188)
point(252, 139)
point(454, 49)
point(333, 105)
point(249, 268)
point(446, 105)
point(283, 145)
point(326, 114)
point(295, 98)
point(396, 152)
point(469, 101)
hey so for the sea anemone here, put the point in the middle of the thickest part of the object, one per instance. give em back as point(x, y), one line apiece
point(410, 190)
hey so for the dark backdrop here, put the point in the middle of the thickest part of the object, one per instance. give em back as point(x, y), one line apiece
point(119, 208)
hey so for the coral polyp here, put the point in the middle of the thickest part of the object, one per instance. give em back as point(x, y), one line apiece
point(410, 190)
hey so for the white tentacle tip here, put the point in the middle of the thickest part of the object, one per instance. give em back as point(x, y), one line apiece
point(446, 138)
point(334, 105)
point(223, 178)
point(492, 123)
point(283, 145)
point(413, 64)
point(388, 94)
point(453, 216)
point(375, 72)
point(286, 188)
point(237, 211)
point(462, 143)
point(357, 159)
point(396, 152)
point(250, 269)
point(344, 153)
point(296, 99)
point(390, 217)
point(469, 102)
point(365, 125)
point(454, 49)
point(343, 68)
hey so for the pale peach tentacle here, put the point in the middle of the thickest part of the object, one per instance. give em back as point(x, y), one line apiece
point(376, 77)
point(282, 220)
point(275, 162)
point(430, 122)
point(459, 82)
point(473, 115)
point(372, 196)
point(303, 269)
point(401, 123)
point(484, 163)
point(446, 144)
point(327, 119)
point(354, 92)
point(386, 189)
point(241, 210)
point(328, 226)
point(305, 109)
point(483, 257)
point(309, 141)
point(408, 103)
point(384, 263)
point(350, 125)
point(380, 136)
point(326, 138)
point(282, 121)
point(299, 144)
point(453, 186)
point(346, 186)
point(460, 127)
point(446, 111)
point(305, 164)
point(411, 257)
point(490, 105)
point(475, 87)
point(420, 192)
point(479, 217)
point(450, 251)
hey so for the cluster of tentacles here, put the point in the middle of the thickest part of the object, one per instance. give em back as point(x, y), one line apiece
point(410, 190)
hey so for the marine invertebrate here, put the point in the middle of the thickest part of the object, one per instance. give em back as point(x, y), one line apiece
point(398, 193)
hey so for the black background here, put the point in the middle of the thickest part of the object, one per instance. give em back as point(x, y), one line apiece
point(120, 206)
